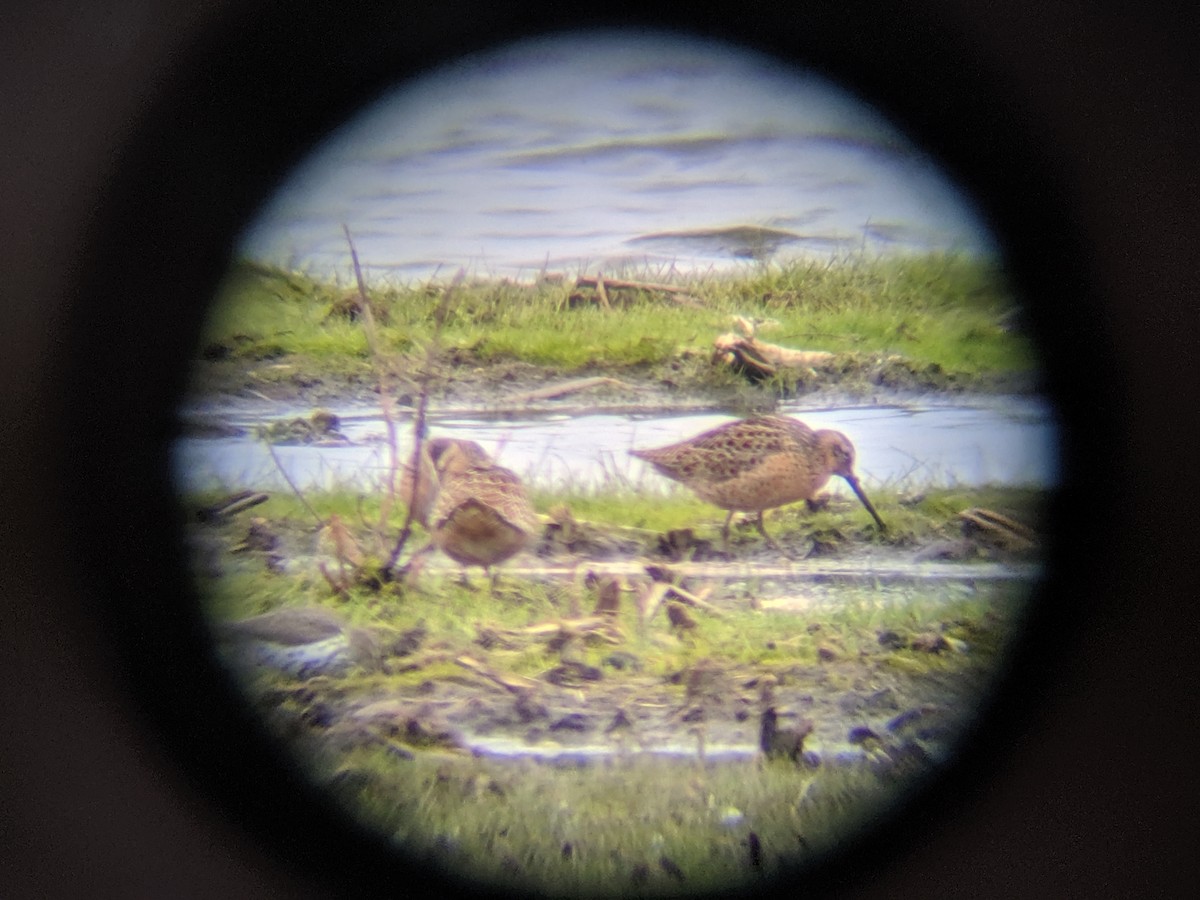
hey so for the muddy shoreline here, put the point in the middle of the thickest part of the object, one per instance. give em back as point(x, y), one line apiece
point(449, 718)
point(687, 382)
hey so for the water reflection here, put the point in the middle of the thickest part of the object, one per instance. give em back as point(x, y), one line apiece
point(972, 442)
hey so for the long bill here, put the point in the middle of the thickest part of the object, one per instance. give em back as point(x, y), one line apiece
point(858, 492)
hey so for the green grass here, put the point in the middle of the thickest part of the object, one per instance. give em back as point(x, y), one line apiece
point(629, 823)
point(509, 823)
point(246, 588)
point(937, 309)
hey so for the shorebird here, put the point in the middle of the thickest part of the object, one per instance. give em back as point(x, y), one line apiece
point(757, 464)
point(481, 515)
point(426, 482)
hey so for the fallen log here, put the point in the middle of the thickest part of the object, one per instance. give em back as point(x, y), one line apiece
point(678, 293)
point(762, 358)
point(651, 286)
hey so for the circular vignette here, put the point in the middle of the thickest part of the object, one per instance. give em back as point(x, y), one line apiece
point(244, 105)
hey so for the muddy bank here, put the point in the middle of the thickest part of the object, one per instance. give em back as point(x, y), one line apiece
point(641, 711)
point(864, 641)
point(293, 381)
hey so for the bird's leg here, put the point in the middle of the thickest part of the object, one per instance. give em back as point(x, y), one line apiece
point(464, 580)
point(762, 529)
point(725, 530)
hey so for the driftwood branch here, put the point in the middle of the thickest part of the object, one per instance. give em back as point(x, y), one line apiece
point(569, 387)
point(589, 281)
point(765, 358)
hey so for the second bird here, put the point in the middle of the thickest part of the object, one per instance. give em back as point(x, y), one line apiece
point(481, 515)
point(758, 464)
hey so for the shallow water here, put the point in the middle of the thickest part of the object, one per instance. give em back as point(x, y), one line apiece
point(612, 151)
point(971, 442)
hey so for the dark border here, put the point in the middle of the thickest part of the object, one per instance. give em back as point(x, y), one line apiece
point(244, 104)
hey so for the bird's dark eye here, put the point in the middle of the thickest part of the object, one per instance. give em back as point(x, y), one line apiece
point(540, 250)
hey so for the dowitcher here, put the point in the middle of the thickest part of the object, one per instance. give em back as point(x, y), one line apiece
point(481, 515)
point(425, 484)
point(758, 464)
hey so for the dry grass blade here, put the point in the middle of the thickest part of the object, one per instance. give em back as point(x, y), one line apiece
point(514, 684)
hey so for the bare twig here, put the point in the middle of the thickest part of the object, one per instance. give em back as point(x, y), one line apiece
point(381, 368)
point(295, 490)
point(231, 506)
point(514, 684)
point(423, 379)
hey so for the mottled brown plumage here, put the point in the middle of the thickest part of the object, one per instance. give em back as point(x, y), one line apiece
point(426, 483)
point(481, 515)
point(758, 464)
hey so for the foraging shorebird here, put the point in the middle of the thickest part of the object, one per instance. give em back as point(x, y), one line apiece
point(426, 483)
point(481, 515)
point(758, 464)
